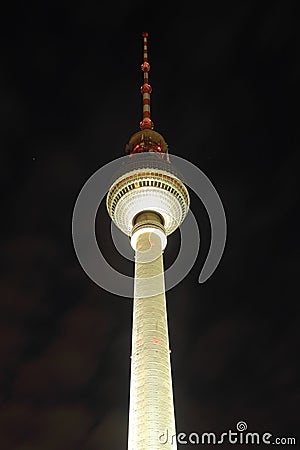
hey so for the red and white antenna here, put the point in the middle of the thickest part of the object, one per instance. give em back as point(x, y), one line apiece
point(146, 123)
point(147, 140)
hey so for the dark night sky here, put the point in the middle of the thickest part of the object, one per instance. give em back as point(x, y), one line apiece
point(224, 80)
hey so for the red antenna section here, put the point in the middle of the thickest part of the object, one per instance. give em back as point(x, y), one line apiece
point(146, 123)
point(147, 140)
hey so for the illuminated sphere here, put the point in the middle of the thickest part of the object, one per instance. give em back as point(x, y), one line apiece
point(148, 183)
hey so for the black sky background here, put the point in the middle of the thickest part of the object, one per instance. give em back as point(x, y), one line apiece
point(224, 78)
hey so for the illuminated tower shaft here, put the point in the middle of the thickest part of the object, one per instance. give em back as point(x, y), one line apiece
point(151, 413)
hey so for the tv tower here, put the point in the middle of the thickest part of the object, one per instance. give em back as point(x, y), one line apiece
point(148, 201)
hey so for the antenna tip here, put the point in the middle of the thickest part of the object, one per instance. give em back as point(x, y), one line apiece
point(145, 34)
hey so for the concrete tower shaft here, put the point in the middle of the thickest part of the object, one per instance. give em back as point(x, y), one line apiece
point(151, 398)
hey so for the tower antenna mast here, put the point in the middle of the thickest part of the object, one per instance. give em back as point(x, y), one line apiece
point(147, 140)
point(146, 89)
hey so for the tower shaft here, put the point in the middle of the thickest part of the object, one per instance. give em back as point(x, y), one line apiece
point(151, 414)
